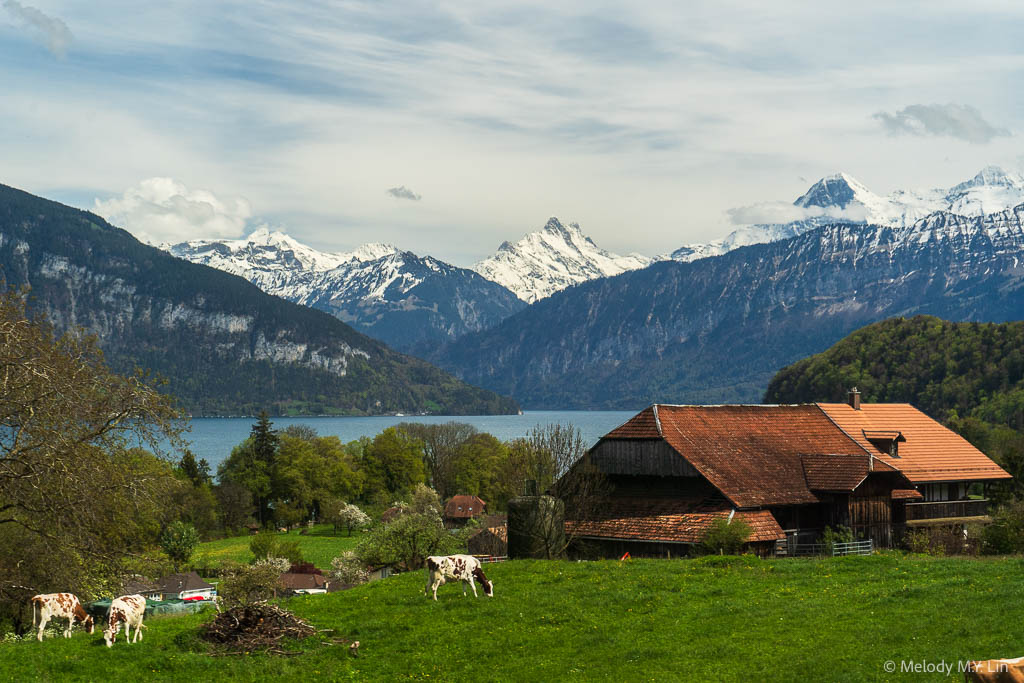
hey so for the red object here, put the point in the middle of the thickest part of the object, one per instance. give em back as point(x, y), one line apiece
point(625, 557)
point(193, 598)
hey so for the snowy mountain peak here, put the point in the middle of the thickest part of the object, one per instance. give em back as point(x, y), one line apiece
point(838, 189)
point(840, 198)
point(551, 259)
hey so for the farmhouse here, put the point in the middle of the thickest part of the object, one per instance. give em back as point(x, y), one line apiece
point(460, 509)
point(788, 471)
point(185, 586)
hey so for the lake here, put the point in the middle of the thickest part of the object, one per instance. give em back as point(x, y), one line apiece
point(214, 437)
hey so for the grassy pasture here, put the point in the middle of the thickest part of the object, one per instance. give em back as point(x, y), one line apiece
point(319, 546)
point(717, 619)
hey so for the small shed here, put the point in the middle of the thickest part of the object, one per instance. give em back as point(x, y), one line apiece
point(184, 586)
point(304, 584)
point(489, 541)
point(138, 585)
point(460, 509)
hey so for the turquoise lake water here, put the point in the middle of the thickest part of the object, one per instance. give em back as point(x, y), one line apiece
point(213, 438)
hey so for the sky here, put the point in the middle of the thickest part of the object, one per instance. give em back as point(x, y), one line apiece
point(447, 128)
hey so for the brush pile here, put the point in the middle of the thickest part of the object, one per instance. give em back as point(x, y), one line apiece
point(255, 627)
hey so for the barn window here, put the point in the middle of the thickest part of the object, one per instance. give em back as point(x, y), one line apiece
point(460, 508)
point(470, 509)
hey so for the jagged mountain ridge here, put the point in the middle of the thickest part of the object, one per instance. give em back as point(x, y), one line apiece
point(403, 299)
point(551, 259)
point(224, 346)
point(842, 198)
point(716, 329)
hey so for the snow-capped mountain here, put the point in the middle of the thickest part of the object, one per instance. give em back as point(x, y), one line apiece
point(840, 198)
point(717, 329)
point(401, 298)
point(551, 259)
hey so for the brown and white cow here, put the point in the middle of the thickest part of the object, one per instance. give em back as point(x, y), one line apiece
point(996, 671)
point(127, 610)
point(63, 605)
point(465, 568)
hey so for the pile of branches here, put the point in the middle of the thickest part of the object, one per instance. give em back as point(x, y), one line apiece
point(255, 627)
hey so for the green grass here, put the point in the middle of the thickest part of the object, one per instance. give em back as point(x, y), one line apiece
point(320, 546)
point(718, 619)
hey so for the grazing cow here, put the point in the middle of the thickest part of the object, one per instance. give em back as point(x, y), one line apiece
point(457, 568)
point(64, 605)
point(127, 610)
point(996, 671)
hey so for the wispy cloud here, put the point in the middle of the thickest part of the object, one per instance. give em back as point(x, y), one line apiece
point(960, 121)
point(55, 32)
point(161, 210)
point(403, 192)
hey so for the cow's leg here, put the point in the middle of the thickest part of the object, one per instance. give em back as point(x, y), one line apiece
point(44, 619)
point(128, 632)
point(472, 584)
point(67, 631)
point(434, 587)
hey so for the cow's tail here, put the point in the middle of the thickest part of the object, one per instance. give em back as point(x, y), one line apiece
point(33, 614)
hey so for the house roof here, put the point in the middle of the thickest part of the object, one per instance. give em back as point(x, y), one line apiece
point(752, 453)
point(928, 452)
point(303, 581)
point(499, 532)
point(668, 520)
point(176, 583)
point(464, 506)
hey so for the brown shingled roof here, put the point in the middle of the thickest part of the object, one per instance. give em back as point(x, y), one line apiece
point(643, 425)
point(835, 472)
point(464, 506)
point(931, 452)
point(668, 520)
point(753, 453)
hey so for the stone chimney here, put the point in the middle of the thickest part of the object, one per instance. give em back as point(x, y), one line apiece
point(853, 398)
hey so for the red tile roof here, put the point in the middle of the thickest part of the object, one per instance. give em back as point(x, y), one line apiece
point(643, 425)
point(931, 452)
point(753, 453)
point(906, 494)
point(464, 506)
point(668, 519)
point(835, 472)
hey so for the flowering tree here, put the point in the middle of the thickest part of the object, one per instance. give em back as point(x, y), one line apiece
point(352, 517)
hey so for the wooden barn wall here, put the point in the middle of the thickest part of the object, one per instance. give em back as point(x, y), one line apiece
point(640, 457)
point(870, 510)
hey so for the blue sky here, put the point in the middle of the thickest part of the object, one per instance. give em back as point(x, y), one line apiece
point(645, 124)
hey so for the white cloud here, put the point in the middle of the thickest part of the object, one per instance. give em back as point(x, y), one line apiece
point(161, 210)
point(785, 212)
point(955, 120)
point(55, 32)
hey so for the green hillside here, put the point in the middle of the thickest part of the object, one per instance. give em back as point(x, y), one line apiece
point(223, 346)
point(716, 619)
point(968, 375)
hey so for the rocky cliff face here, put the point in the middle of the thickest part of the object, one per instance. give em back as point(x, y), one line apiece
point(716, 329)
point(223, 345)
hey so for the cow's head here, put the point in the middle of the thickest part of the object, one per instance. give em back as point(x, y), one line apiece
point(108, 636)
point(484, 581)
point(89, 624)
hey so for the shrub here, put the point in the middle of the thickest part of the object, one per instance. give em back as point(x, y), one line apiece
point(1006, 532)
point(725, 537)
point(179, 541)
point(268, 545)
point(407, 541)
point(243, 585)
point(840, 534)
point(349, 569)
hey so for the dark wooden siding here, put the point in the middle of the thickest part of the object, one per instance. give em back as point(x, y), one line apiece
point(640, 457)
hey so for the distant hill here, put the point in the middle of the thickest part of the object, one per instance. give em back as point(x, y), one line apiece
point(224, 346)
point(939, 366)
point(968, 375)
